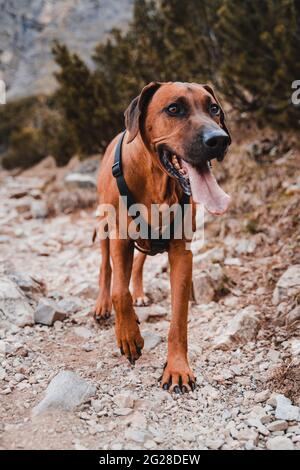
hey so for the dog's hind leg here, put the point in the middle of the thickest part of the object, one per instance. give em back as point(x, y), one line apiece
point(104, 303)
point(138, 294)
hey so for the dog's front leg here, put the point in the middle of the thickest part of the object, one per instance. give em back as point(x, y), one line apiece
point(128, 334)
point(177, 375)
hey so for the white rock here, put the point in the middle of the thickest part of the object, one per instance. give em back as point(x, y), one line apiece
point(137, 435)
point(122, 411)
point(66, 391)
point(285, 410)
point(295, 347)
point(81, 180)
point(210, 256)
point(151, 340)
point(279, 443)
point(2, 373)
point(144, 313)
point(69, 305)
point(288, 284)
point(214, 444)
point(241, 329)
point(124, 400)
point(232, 262)
point(245, 246)
point(188, 436)
point(47, 312)
point(39, 209)
point(83, 332)
point(14, 307)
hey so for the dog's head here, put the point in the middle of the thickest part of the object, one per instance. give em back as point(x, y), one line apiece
point(184, 126)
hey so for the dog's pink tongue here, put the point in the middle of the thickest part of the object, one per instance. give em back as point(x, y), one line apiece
point(205, 190)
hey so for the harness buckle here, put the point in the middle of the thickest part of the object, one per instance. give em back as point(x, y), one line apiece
point(116, 169)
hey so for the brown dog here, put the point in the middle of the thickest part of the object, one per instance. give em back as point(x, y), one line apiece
point(173, 130)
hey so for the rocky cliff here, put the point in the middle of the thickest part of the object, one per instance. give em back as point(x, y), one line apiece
point(28, 28)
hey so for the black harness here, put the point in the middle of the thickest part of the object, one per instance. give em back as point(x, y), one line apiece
point(157, 245)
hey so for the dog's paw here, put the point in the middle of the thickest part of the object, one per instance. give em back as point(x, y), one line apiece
point(178, 377)
point(129, 339)
point(143, 301)
point(103, 308)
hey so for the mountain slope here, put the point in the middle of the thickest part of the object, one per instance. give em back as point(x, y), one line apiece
point(28, 28)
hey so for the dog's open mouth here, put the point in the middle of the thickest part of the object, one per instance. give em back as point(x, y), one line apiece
point(196, 181)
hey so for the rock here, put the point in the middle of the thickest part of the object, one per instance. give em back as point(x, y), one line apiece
point(241, 329)
point(5, 348)
point(137, 420)
point(214, 444)
point(285, 410)
point(80, 180)
point(28, 283)
point(279, 443)
point(188, 436)
point(257, 423)
point(66, 391)
point(278, 425)
point(151, 340)
point(295, 347)
point(124, 400)
point(159, 288)
point(144, 313)
point(86, 291)
point(39, 209)
point(137, 435)
point(262, 396)
point(211, 256)
point(247, 435)
point(245, 246)
point(2, 373)
point(288, 284)
point(14, 307)
point(232, 262)
point(122, 411)
point(293, 316)
point(47, 312)
point(83, 332)
point(69, 305)
point(203, 288)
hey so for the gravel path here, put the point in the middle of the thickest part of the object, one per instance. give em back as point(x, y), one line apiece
point(244, 341)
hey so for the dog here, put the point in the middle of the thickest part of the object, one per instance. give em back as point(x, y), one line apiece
point(173, 131)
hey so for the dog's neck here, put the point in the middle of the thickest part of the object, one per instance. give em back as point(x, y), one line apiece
point(153, 185)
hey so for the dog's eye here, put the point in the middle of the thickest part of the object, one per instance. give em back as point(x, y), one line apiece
point(214, 109)
point(174, 109)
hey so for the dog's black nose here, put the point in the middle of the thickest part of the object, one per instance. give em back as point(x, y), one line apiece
point(216, 140)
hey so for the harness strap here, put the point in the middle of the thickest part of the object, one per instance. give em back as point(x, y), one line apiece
point(158, 245)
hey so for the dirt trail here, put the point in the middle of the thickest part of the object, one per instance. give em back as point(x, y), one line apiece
point(239, 372)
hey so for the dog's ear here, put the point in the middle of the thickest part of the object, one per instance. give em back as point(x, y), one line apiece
point(222, 117)
point(136, 111)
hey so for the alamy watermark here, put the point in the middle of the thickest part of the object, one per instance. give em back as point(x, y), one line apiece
point(2, 92)
point(160, 222)
point(296, 93)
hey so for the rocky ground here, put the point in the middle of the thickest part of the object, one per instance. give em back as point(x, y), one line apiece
point(63, 383)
